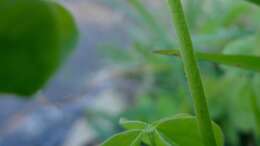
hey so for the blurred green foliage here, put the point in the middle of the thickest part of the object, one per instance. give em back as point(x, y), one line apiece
point(222, 27)
point(35, 37)
point(255, 1)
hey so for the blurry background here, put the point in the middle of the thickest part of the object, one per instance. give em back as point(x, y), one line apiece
point(113, 73)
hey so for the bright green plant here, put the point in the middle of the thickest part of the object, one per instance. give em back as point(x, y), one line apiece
point(233, 60)
point(172, 131)
point(241, 61)
point(35, 37)
point(193, 75)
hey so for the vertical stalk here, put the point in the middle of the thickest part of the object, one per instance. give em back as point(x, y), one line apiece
point(193, 74)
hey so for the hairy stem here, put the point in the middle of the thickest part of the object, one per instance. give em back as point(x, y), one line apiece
point(192, 73)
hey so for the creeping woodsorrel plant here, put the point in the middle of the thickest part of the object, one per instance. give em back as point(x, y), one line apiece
point(29, 56)
point(169, 131)
point(185, 130)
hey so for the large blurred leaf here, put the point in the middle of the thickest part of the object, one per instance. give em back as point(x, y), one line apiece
point(255, 1)
point(242, 61)
point(183, 131)
point(68, 29)
point(35, 36)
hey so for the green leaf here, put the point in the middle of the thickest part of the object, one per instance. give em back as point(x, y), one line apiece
point(131, 125)
point(241, 61)
point(255, 110)
point(254, 1)
point(128, 138)
point(182, 115)
point(68, 29)
point(160, 140)
point(183, 131)
point(35, 36)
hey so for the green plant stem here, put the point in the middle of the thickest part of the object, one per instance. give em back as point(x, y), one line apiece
point(192, 73)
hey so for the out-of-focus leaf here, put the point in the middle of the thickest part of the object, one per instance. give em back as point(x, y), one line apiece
point(131, 125)
point(234, 13)
point(151, 22)
point(241, 61)
point(256, 111)
point(245, 45)
point(255, 1)
point(145, 13)
point(35, 36)
point(241, 116)
point(68, 29)
point(183, 131)
point(128, 138)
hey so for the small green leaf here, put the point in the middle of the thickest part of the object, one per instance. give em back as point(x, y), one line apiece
point(172, 52)
point(35, 36)
point(128, 138)
point(183, 115)
point(131, 125)
point(241, 61)
point(183, 131)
